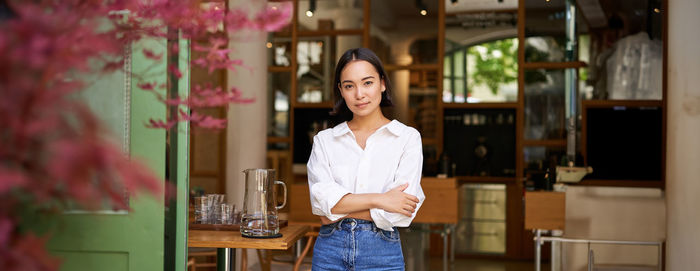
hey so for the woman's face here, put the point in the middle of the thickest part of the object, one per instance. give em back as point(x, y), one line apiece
point(361, 88)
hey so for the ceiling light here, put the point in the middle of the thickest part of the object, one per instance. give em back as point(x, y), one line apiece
point(421, 7)
point(312, 8)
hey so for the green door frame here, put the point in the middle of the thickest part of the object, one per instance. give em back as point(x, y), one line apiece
point(136, 239)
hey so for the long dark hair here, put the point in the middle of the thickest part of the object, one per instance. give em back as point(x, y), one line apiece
point(341, 112)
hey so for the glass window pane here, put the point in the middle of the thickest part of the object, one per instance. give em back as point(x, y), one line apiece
point(447, 67)
point(329, 15)
point(279, 51)
point(545, 30)
point(460, 95)
point(278, 104)
point(447, 91)
point(544, 104)
point(492, 71)
point(314, 68)
point(488, 41)
point(316, 60)
point(459, 63)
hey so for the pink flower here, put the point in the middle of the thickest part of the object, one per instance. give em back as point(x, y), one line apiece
point(236, 20)
point(52, 149)
point(147, 86)
point(11, 179)
point(160, 124)
point(273, 18)
point(151, 55)
point(175, 71)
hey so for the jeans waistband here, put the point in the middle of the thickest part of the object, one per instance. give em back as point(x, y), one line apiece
point(356, 224)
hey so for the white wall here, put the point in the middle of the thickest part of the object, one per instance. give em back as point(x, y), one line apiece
point(683, 136)
point(613, 213)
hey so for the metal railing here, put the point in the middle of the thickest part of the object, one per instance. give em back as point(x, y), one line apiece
point(539, 240)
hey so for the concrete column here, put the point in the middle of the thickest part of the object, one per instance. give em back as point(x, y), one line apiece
point(246, 135)
point(683, 143)
point(401, 79)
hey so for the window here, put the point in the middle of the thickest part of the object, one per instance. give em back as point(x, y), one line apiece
point(485, 72)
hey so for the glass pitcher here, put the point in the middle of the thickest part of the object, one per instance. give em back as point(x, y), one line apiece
point(259, 214)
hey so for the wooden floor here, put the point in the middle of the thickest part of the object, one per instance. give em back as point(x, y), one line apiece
point(436, 265)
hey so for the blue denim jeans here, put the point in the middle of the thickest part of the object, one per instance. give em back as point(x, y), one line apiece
point(356, 244)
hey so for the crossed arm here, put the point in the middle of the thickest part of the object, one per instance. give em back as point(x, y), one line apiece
point(358, 205)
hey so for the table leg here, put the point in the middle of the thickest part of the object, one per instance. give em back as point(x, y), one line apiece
point(452, 243)
point(538, 234)
point(226, 259)
point(444, 249)
point(300, 258)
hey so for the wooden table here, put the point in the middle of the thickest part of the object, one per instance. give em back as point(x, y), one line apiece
point(227, 241)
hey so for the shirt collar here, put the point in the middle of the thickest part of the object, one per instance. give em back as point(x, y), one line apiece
point(395, 127)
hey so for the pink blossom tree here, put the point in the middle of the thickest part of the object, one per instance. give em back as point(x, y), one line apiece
point(51, 151)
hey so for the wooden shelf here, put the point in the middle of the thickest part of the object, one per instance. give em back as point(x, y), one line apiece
point(628, 103)
point(279, 68)
point(276, 139)
point(621, 183)
point(480, 105)
point(545, 143)
point(485, 179)
point(413, 67)
point(328, 105)
point(555, 65)
point(318, 33)
point(482, 11)
point(429, 141)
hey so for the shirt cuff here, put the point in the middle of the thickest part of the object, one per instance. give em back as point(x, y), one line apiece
point(379, 219)
point(333, 199)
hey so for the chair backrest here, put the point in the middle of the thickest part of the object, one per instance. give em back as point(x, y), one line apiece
point(441, 202)
point(300, 205)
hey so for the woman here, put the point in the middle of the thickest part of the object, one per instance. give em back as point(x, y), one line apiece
point(364, 174)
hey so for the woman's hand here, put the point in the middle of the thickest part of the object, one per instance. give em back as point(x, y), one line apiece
point(396, 201)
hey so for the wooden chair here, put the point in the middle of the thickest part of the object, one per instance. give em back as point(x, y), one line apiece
point(300, 213)
point(440, 207)
point(201, 258)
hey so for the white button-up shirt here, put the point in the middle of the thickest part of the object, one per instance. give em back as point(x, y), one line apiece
point(393, 155)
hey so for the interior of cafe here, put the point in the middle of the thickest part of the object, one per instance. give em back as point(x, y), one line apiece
point(544, 124)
